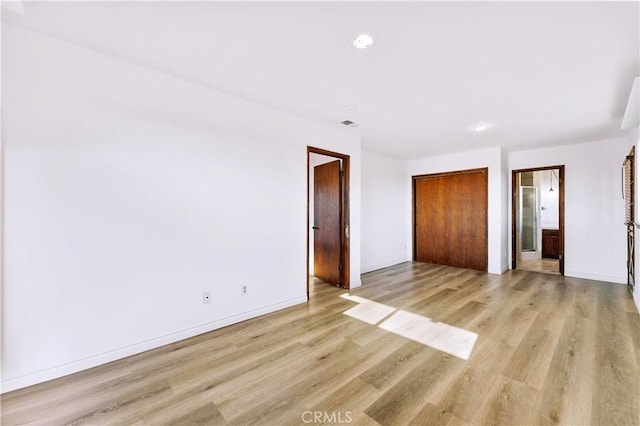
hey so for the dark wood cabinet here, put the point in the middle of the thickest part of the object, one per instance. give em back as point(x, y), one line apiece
point(550, 243)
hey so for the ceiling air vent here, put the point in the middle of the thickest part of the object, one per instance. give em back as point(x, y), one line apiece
point(349, 123)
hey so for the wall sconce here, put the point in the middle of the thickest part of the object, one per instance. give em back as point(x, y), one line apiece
point(552, 174)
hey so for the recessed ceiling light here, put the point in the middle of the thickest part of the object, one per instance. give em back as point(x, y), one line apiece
point(480, 127)
point(350, 107)
point(363, 41)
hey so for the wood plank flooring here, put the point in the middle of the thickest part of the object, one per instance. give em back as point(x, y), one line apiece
point(549, 266)
point(550, 350)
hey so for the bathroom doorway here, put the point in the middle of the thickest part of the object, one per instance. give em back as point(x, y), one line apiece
point(538, 220)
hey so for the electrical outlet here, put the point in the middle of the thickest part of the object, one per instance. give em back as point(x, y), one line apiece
point(206, 297)
point(243, 290)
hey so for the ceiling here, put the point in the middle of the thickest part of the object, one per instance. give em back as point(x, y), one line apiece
point(539, 73)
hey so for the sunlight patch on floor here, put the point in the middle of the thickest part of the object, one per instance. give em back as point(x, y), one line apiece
point(447, 338)
point(368, 311)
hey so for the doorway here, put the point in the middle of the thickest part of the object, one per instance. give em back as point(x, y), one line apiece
point(537, 219)
point(628, 193)
point(327, 218)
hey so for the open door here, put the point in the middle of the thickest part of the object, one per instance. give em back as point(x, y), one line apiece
point(327, 223)
point(328, 219)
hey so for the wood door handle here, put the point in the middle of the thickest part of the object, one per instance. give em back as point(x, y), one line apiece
point(314, 227)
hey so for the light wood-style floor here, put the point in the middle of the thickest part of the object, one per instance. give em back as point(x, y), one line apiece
point(548, 266)
point(550, 350)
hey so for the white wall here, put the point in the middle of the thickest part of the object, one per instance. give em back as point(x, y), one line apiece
point(505, 211)
point(128, 193)
point(493, 159)
point(549, 200)
point(385, 211)
point(595, 244)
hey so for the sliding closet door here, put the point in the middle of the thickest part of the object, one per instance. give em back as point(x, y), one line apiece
point(450, 218)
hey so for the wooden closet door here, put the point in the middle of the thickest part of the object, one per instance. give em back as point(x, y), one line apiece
point(450, 219)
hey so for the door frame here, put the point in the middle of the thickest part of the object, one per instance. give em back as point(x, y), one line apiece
point(344, 214)
point(514, 174)
point(630, 214)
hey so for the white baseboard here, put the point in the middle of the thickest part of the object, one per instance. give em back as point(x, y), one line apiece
point(370, 268)
point(594, 277)
point(500, 271)
point(103, 358)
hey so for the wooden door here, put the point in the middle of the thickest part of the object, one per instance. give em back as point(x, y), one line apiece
point(628, 193)
point(450, 219)
point(327, 225)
